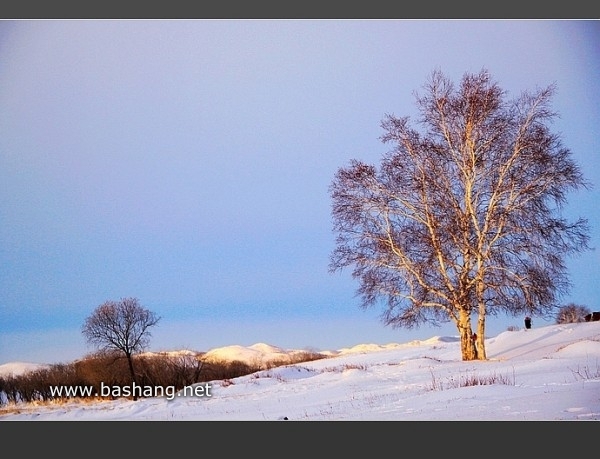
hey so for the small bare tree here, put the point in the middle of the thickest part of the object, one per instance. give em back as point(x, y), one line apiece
point(122, 326)
point(462, 218)
point(572, 313)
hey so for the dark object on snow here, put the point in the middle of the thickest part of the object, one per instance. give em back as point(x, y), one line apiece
point(527, 323)
point(593, 317)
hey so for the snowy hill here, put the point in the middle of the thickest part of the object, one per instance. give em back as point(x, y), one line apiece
point(259, 354)
point(546, 373)
point(18, 368)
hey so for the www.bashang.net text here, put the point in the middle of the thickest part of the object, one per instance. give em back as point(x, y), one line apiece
point(134, 390)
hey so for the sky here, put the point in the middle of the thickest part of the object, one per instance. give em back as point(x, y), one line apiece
point(186, 163)
point(550, 373)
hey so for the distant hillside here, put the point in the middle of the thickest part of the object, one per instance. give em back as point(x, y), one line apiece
point(18, 368)
point(258, 355)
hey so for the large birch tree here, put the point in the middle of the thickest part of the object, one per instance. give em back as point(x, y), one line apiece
point(462, 218)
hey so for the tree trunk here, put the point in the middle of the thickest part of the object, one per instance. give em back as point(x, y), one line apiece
point(132, 372)
point(480, 344)
point(467, 344)
point(481, 311)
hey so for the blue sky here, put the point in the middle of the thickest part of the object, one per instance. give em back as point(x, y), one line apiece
point(187, 163)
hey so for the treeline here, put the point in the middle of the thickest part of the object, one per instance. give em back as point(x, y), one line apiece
point(166, 370)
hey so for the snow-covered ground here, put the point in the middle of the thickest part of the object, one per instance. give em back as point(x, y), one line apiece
point(546, 373)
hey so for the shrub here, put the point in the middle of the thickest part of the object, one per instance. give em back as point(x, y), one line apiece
point(110, 368)
point(572, 313)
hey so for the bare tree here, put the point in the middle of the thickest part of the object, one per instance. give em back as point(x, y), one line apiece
point(462, 219)
point(122, 326)
point(572, 313)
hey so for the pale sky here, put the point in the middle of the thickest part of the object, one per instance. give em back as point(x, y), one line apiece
point(187, 163)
